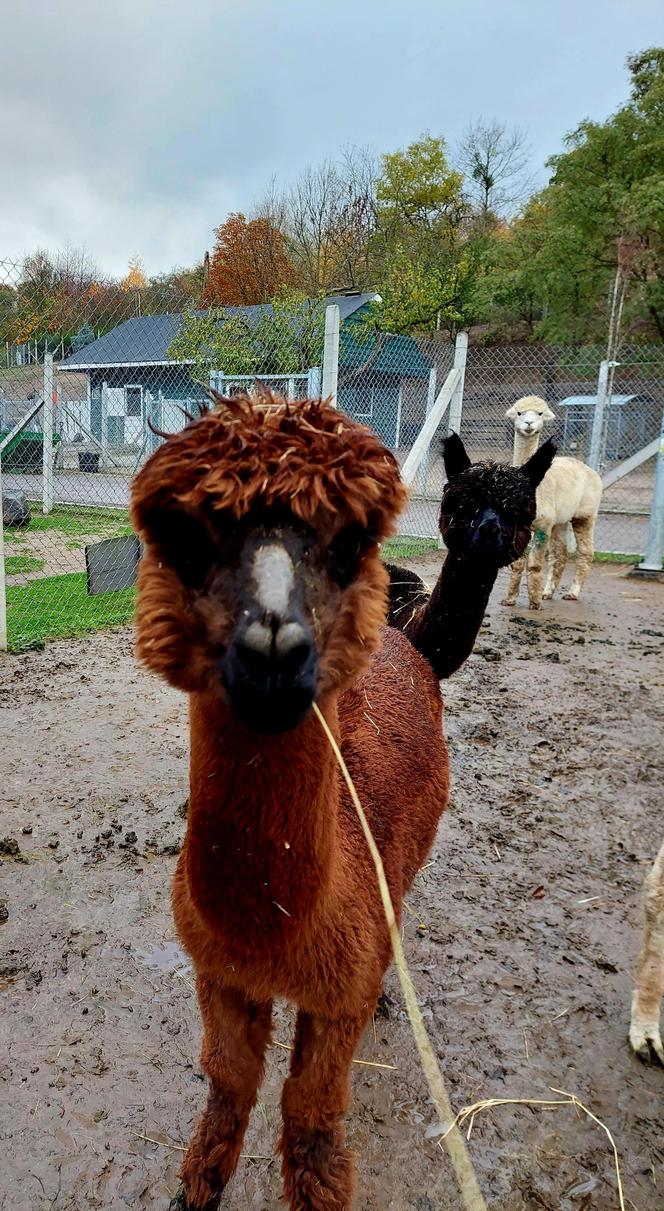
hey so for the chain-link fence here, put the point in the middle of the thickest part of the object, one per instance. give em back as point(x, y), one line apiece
point(89, 372)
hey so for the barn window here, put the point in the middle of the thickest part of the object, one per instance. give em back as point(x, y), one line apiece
point(134, 401)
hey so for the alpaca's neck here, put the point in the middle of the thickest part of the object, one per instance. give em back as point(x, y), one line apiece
point(445, 629)
point(261, 840)
point(524, 447)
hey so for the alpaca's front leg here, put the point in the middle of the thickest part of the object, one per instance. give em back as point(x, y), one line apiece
point(318, 1171)
point(516, 572)
point(536, 560)
point(557, 560)
point(644, 1034)
point(235, 1035)
point(584, 529)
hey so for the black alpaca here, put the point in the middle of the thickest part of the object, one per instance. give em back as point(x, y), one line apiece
point(486, 517)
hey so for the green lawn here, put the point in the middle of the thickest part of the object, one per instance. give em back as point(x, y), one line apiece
point(73, 520)
point(405, 547)
point(58, 606)
point(16, 565)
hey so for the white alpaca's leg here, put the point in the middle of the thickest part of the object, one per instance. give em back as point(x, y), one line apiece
point(557, 560)
point(536, 560)
point(516, 572)
point(644, 1033)
point(584, 528)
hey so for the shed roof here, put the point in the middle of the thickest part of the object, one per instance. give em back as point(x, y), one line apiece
point(145, 340)
point(589, 401)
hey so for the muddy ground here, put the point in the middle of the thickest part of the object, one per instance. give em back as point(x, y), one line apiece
point(522, 934)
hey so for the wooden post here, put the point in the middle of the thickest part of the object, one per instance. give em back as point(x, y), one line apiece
point(456, 403)
point(331, 354)
point(47, 426)
point(426, 433)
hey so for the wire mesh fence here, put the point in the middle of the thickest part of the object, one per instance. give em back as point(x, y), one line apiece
point(89, 372)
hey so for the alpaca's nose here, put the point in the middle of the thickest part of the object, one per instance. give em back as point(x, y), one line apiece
point(272, 648)
point(270, 671)
point(489, 529)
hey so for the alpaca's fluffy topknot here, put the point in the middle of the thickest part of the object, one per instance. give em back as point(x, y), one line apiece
point(245, 451)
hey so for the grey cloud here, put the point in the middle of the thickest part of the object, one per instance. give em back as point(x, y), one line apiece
point(135, 125)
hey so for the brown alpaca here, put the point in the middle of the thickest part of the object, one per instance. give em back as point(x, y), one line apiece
point(486, 516)
point(644, 1034)
point(261, 589)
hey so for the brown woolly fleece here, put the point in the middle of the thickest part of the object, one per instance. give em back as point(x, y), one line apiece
point(275, 893)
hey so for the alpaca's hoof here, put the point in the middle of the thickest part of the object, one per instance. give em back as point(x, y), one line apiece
point(182, 1203)
point(646, 1041)
point(534, 605)
point(508, 601)
point(384, 1006)
point(547, 595)
point(570, 596)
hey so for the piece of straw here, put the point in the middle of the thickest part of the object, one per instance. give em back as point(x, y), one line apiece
point(461, 1163)
point(567, 1099)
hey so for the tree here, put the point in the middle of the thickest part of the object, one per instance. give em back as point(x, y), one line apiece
point(135, 278)
point(249, 263)
point(417, 250)
point(284, 338)
point(601, 214)
point(327, 218)
point(494, 160)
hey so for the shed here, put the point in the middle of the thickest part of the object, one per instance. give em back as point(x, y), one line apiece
point(629, 423)
point(131, 364)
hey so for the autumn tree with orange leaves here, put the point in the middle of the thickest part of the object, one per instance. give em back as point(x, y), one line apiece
point(249, 263)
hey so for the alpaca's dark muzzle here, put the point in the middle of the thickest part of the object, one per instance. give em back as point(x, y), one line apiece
point(270, 672)
point(489, 532)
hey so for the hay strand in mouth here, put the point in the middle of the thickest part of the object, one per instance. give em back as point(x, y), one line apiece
point(461, 1163)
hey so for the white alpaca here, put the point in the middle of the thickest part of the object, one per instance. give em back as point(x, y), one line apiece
point(644, 1033)
point(569, 492)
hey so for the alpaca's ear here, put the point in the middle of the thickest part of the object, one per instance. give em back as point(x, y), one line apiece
point(537, 466)
point(511, 413)
point(454, 456)
point(547, 414)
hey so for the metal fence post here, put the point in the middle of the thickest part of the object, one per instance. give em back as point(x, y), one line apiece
point(456, 403)
point(598, 416)
point(47, 426)
point(3, 587)
point(331, 354)
point(104, 424)
point(431, 396)
point(655, 544)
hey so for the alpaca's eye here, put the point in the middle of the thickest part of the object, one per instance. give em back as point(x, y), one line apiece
point(344, 553)
point(186, 545)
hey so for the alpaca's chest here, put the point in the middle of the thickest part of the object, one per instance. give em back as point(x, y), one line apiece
point(319, 953)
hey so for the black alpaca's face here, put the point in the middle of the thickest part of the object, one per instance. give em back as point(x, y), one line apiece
point(488, 509)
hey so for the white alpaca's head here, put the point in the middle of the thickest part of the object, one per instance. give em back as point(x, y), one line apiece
point(529, 414)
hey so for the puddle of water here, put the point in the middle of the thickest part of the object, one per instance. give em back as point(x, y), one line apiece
point(165, 956)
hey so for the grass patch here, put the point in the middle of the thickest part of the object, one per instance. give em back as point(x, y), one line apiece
point(616, 557)
point(15, 565)
point(72, 519)
point(404, 547)
point(59, 606)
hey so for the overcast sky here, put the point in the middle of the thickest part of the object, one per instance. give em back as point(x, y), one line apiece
point(135, 126)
